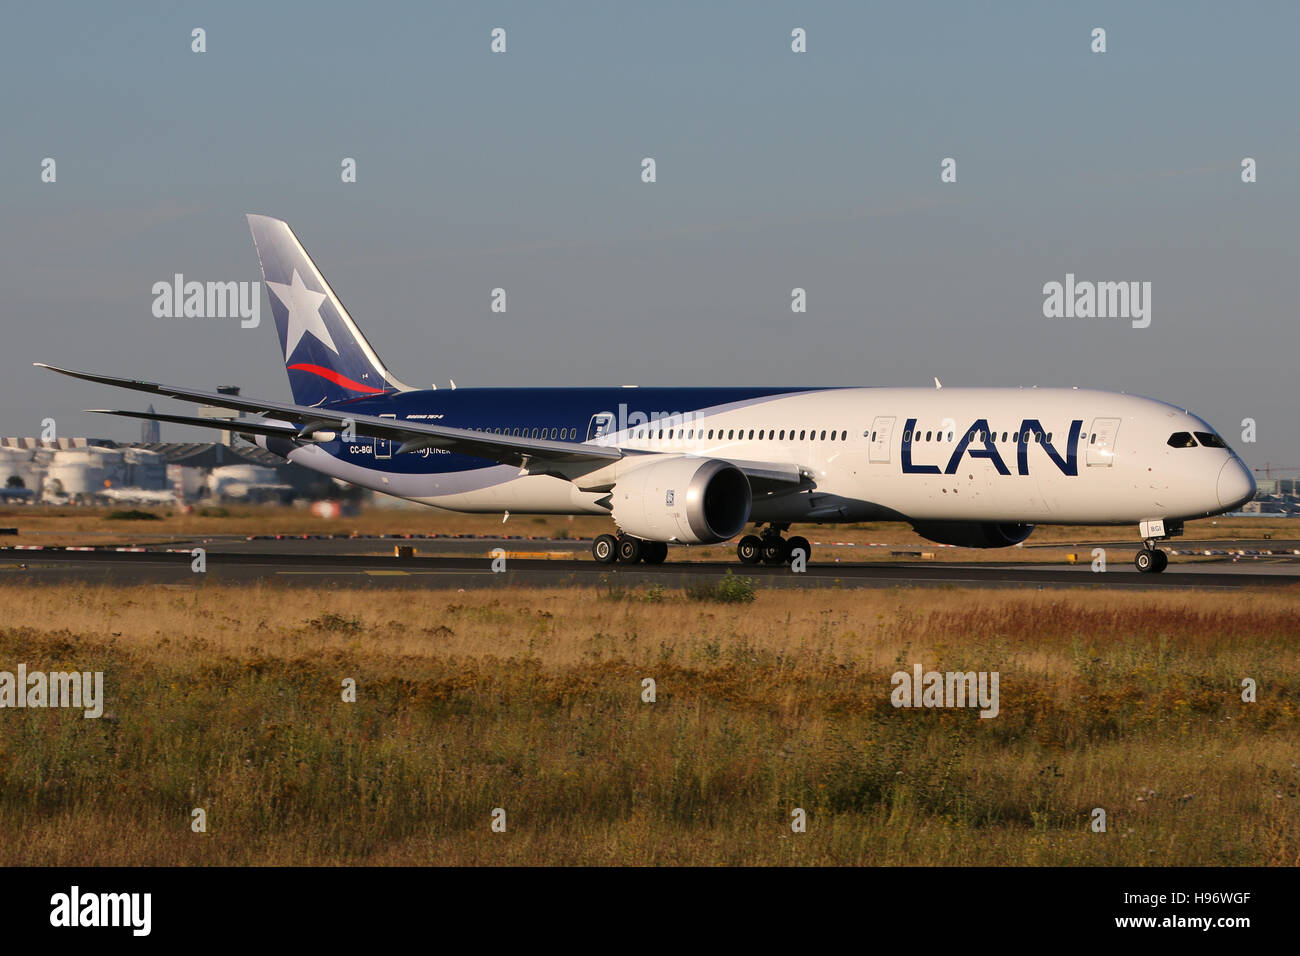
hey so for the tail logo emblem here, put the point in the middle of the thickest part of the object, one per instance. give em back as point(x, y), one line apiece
point(303, 306)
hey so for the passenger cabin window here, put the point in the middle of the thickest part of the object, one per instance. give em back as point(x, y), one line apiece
point(1181, 440)
point(1211, 440)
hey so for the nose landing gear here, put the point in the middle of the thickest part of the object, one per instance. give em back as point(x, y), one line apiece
point(1151, 560)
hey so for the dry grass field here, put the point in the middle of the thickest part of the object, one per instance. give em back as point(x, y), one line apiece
point(229, 699)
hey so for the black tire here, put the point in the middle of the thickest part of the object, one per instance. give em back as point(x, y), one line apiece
point(798, 542)
point(1144, 560)
point(605, 549)
point(774, 550)
point(750, 549)
point(629, 549)
point(1162, 561)
point(654, 552)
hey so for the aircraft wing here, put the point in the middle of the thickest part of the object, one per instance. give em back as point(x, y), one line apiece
point(301, 422)
point(242, 426)
point(306, 420)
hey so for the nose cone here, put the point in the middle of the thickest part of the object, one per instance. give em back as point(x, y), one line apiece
point(1236, 485)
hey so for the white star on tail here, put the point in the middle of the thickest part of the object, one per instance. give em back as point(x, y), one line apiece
point(304, 314)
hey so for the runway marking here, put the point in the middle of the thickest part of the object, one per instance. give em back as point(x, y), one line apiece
point(381, 573)
point(536, 555)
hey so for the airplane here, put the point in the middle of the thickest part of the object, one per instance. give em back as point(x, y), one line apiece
point(137, 496)
point(971, 467)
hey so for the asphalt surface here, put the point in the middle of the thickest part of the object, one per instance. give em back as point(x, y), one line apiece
point(316, 562)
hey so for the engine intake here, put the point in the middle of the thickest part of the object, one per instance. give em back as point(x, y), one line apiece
point(691, 500)
point(973, 534)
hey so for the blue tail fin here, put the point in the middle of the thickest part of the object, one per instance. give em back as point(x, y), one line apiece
point(325, 355)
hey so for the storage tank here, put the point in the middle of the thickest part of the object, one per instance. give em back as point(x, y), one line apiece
point(185, 481)
point(77, 471)
point(19, 462)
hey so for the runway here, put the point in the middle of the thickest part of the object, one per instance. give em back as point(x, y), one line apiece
point(320, 565)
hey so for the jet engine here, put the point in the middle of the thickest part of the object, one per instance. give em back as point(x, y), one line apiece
point(690, 500)
point(973, 534)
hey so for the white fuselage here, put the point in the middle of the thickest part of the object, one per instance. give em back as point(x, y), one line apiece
point(1024, 455)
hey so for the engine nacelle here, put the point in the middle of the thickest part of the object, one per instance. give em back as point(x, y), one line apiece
point(691, 500)
point(973, 534)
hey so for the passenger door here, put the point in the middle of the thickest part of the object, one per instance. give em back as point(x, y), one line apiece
point(1101, 442)
point(882, 431)
point(384, 446)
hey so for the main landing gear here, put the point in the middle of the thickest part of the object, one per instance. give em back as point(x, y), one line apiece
point(626, 549)
point(771, 548)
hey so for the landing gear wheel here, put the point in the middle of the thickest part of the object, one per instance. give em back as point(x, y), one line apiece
point(629, 549)
point(605, 549)
point(798, 542)
point(1145, 560)
point(654, 552)
point(1162, 561)
point(750, 549)
point(774, 550)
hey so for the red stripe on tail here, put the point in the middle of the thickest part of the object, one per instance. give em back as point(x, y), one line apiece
point(336, 378)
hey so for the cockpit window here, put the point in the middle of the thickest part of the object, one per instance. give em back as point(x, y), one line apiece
point(1211, 440)
point(1182, 440)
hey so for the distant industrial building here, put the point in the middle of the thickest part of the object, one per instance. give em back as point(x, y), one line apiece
point(1275, 496)
point(93, 471)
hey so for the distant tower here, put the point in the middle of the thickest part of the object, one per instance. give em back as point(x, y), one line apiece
point(150, 431)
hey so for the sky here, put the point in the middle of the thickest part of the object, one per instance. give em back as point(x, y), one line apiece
point(775, 170)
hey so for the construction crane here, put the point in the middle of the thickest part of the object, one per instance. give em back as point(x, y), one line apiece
point(1268, 469)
